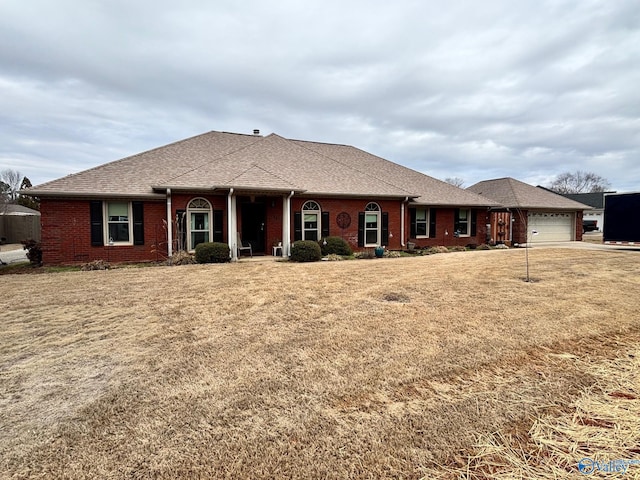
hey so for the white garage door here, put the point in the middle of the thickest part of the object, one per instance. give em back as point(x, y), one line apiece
point(551, 226)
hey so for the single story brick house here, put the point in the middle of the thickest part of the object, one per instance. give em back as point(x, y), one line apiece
point(266, 190)
point(526, 209)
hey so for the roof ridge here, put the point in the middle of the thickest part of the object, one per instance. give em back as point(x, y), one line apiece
point(258, 138)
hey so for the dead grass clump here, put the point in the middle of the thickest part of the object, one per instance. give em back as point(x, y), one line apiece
point(438, 249)
point(333, 257)
point(396, 297)
point(95, 265)
point(181, 258)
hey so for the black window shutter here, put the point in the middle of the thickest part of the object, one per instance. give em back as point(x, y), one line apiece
point(412, 216)
point(217, 225)
point(97, 233)
point(138, 222)
point(361, 229)
point(297, 226)
point(474, 220)
point(456, 220)
point(432, 223)
point(385, 229)
point(325, 224)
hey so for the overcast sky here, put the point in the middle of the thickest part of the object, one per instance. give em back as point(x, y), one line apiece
point(470, 89)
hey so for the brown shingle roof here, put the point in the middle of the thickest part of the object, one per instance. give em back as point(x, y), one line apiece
point(513, 193)
point(218, 160)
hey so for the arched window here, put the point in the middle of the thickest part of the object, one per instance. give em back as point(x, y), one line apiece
point(199, 215)
point(372, 225)
point(311, 214)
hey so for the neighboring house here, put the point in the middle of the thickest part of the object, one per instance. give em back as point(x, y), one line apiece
point(220, 186)
point(18, 223)
point(526, 209)
point(596, 201)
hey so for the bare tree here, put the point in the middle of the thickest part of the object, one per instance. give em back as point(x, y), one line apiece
point(12, 179)
point(579, 182)
point(455, 181)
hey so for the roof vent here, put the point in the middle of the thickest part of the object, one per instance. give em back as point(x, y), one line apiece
point(256, 131)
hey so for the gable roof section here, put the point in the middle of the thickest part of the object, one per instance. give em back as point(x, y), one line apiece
point(219, 160)
point(426, 190)
point(512, 193)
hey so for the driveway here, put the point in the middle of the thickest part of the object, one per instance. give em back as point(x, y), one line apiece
point(585, 246)
point(12, 253)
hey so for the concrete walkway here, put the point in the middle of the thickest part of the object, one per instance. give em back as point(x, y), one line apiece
point(12, 253)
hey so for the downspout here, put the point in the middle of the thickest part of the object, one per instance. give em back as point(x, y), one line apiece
point(169, 225)
point(231, 238)
point(406, 199)
point(286, 226)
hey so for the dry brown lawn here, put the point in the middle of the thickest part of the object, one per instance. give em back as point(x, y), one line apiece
point(448, 365)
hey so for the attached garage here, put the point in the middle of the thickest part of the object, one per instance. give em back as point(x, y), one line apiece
point(554, 217)
point(551, 226)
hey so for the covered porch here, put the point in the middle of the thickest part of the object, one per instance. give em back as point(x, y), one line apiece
point(261, 218)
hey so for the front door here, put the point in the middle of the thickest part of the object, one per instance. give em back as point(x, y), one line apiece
point(254, 227)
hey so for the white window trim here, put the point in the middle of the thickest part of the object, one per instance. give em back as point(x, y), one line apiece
point(317, 212)
point(426, 221)
point(378, 228)
point(468, 222)
point(190, 210)
point(105, 216)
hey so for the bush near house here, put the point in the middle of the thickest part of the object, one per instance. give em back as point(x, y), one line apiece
point(34, 251)
point(336, 246)
point(212, 252)
point(305, 251)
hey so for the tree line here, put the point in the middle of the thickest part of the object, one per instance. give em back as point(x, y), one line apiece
point(12, 182)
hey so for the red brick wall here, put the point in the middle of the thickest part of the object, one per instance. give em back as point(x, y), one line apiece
point(66, 234)
point(579, 225)
point(352, 206)
point(445, 227)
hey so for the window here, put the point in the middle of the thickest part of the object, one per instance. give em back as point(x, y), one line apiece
point(462, 223)
point(422, 222)
point(116, 223)
point(199, 215)
point(118, 215)
point(372, 225)
point(311, 217)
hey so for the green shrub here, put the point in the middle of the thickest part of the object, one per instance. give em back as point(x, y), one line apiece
point(336, 246)
point(305, 251)
point(212, 252)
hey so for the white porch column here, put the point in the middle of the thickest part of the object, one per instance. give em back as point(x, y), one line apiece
point(286, 226)
point(169, 225)
point(232, 236)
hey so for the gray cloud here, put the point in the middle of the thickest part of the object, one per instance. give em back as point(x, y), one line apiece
point(459, 88)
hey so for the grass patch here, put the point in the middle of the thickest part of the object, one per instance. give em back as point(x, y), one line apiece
point(392, 369)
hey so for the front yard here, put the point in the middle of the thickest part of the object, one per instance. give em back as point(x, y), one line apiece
point(443, 365)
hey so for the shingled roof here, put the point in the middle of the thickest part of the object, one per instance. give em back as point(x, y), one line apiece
point(512, 193)
point(218, 161)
